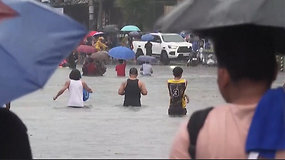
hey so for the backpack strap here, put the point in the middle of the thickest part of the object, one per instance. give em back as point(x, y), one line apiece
point(195, 123)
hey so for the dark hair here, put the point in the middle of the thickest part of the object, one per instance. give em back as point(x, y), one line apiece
point(247, 52)
point(75, 74)
point(177, 71)
point(89, 39)
point(133, 71)
point(121, 61)
point(14, 139)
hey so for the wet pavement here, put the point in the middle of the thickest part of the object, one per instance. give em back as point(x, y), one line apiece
point(106, 129)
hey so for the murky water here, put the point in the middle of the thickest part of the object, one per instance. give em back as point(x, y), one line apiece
point(106, 129)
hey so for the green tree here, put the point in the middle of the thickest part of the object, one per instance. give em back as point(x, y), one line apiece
point(143, 13)
point(134, 11)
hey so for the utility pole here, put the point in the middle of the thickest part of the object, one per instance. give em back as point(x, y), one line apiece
point(91, 15)
point(99, 19)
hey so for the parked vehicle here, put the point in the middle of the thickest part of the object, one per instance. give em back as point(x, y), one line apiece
point(166, 46)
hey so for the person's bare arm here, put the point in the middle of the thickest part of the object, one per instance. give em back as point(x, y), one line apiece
point(121, 90)
point(143, 88)
point(66, 85)
point(85, 86)
point(187, 98)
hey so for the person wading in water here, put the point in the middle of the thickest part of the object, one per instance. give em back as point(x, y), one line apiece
point(132, 89)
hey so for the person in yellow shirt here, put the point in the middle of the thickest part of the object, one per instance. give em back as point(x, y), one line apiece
point(178, 98)
point(99, 45)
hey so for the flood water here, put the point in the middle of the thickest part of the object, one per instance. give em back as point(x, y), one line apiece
point(106, 129)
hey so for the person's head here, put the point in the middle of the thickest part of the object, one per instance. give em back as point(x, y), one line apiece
point(14, 139)
point(101, 39)
point(89, 39)
point(245, 56)
point(121, 61)
point(177, 72)
point(146, 62)
point(75, 74)
point(133, 72)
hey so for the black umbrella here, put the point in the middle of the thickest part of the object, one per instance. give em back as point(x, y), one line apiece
point(205, 16)
point(202, 14)
point(112, 28)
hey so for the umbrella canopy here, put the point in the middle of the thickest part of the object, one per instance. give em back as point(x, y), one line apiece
point(6, 12)
point(147, 37)
point(112, 28)
point(134, 33)
point(122, 53)
point(91, 33)
point(205, 16)
point(27, 58)
point(150, 59)
point(85, 49)
point(101, 56)
point(98, 34)
point(130, 28)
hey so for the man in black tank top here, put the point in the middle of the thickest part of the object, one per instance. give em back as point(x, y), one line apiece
point(132, 89)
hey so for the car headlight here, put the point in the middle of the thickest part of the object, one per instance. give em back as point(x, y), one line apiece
point(172, 47)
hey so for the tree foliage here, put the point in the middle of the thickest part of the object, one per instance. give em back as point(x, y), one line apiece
point(137, 12)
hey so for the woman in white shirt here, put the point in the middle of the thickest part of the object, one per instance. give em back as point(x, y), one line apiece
point(75, 86)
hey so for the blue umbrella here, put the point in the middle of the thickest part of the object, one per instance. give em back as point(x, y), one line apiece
point(147, 37)
point(32, 44)
point(143, 59)
point(130, 28)
point(122, 53)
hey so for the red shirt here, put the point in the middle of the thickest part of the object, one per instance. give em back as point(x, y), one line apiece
point(120, 68)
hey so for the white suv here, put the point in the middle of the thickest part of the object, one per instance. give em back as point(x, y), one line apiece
point(166, 46)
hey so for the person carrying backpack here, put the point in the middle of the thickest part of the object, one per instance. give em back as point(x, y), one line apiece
point(251, 122)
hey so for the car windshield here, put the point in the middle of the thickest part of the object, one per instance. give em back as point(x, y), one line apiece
point(172, 38)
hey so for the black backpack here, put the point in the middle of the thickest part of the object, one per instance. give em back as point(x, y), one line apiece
point(195, 123)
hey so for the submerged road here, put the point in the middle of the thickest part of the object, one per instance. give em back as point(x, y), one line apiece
point(106, 129)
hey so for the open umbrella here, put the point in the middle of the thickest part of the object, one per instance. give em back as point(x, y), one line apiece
point(134, 34)
point(130, 28)
point(112, 28)
point(27, 58)
point(101, 56)
point(122, 53)
point(98, 34)
point(202, 14)
point(147, 37)
point(85, 49)
point(91, 33)
point(150, 59)
point(205, 15)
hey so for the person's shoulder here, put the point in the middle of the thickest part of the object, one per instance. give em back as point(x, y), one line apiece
point(170, 80)
point(140, 81)
point(220, 110)
point(68, 81)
